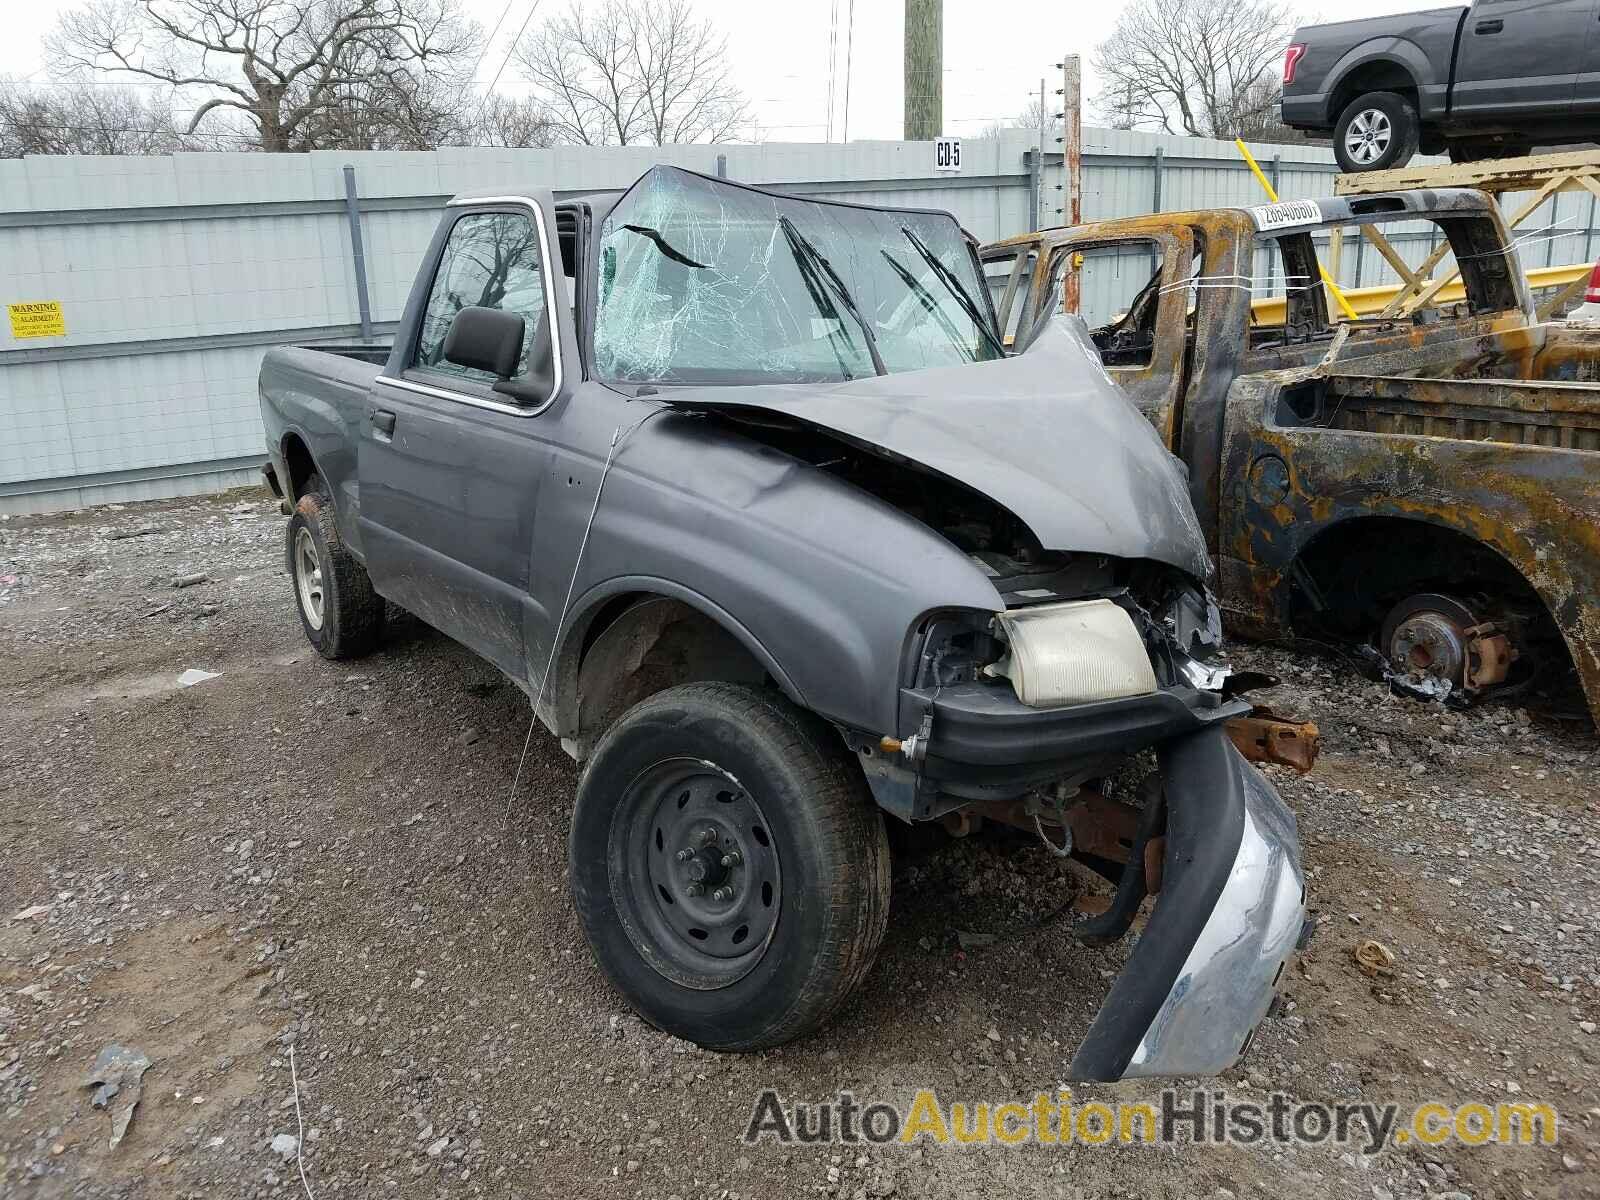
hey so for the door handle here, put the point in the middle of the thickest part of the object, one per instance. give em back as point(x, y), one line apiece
point(383, 421)
point(1494, 26)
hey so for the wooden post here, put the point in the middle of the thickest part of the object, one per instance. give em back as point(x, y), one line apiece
point(1072, 162)
point(924, 70)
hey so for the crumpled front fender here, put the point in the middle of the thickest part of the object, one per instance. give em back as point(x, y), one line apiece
point(1229, 916)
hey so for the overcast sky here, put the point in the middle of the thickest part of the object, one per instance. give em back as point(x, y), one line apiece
point(994, 54)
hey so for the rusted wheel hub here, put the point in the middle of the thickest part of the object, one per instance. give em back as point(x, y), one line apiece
point(1429, 635)
point(1429, 643)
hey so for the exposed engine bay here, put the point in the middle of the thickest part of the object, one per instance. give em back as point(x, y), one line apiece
point(1177, 610)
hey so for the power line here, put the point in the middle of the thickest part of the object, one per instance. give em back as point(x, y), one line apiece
point(16, 124)
point(849, 53)
point(532, 8)
point(833, 62)
point(489, 41)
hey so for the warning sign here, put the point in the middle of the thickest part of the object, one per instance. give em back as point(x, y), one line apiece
point(41, 318)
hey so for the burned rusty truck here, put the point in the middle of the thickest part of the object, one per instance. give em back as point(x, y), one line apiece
point(1424, 486)
point(743, 491)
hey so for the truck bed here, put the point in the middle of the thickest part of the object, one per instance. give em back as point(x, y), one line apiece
point(368, 352)
point(1517, 412)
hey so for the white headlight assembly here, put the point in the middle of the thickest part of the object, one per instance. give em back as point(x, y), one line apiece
point(1072, 653)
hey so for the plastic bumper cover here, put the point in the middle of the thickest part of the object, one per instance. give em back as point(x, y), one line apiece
point(1308, 111)
point(1228, 918)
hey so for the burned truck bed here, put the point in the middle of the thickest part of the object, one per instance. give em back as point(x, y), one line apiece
point(1405, 484)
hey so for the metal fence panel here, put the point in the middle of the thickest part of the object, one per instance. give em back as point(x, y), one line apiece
point(176, 272)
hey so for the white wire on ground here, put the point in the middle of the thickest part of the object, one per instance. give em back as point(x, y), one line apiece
point(618, 436)
point(300, 1121)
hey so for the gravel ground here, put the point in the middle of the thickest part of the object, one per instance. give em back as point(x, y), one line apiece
point(325, 859)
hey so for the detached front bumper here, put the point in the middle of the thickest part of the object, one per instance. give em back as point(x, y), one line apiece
point(1230, 914)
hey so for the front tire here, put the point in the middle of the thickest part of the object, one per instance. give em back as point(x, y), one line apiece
point(728, 865)
point(340, 613)
point(1376, 132)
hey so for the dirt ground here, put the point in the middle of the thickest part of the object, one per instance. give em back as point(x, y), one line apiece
point(328, 858)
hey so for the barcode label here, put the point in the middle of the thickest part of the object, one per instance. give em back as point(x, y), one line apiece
point(1290, 212)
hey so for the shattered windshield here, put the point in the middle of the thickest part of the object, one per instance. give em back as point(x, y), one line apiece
point(706, 282)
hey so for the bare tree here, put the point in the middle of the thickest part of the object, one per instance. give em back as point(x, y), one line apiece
point(1201, 67)
point(82, 119)
point(383, 113)
point(1119, 108)
point(513, 122)
point(293, 68)
point(1032, 118)
point(627, 72)
point(1259, 122)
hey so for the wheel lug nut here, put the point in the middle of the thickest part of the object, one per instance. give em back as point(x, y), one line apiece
point(731, 859)
point(722, 893)
point(694, 889)
point(685, 855)
point(709, 837)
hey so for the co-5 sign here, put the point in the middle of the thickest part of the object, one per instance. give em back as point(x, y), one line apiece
point(946, 155)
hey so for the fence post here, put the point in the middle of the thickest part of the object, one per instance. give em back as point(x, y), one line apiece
point(1272, 259)
point(1157, 166)
point(1034, 160)
point(352, 212)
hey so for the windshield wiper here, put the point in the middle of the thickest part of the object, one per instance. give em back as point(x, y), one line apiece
point(929, 304)
point(956, 289)
point(666, 247)
point(809, 256)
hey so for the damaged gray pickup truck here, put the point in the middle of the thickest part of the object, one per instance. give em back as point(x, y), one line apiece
point(745, 494)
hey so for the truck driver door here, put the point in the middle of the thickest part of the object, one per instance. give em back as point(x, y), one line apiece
point(449, 465)
point(1521, 56)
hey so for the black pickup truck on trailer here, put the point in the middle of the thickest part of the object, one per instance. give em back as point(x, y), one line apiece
point(1492, 80)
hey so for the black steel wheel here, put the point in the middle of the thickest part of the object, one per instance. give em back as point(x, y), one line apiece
point(728, 865)
point(695, 872)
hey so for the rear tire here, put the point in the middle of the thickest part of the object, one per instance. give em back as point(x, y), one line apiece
point(340, 613)
point(1376, 132)
point(731, 790)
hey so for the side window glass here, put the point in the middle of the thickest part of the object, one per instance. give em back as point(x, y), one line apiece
point(491, 260)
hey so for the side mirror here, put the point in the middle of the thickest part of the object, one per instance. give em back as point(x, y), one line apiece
point(485, 339)
point(490, 339)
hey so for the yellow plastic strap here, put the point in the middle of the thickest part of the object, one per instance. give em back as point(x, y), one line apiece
point(1272, 195)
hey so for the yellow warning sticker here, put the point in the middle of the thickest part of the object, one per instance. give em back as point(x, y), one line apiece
point(40, 318)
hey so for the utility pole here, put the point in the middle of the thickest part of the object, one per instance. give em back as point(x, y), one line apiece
point(1038, 174)
point(924, 70)
point(1072, 160)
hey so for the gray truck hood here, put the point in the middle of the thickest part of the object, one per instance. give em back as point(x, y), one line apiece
point(1046, 434)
